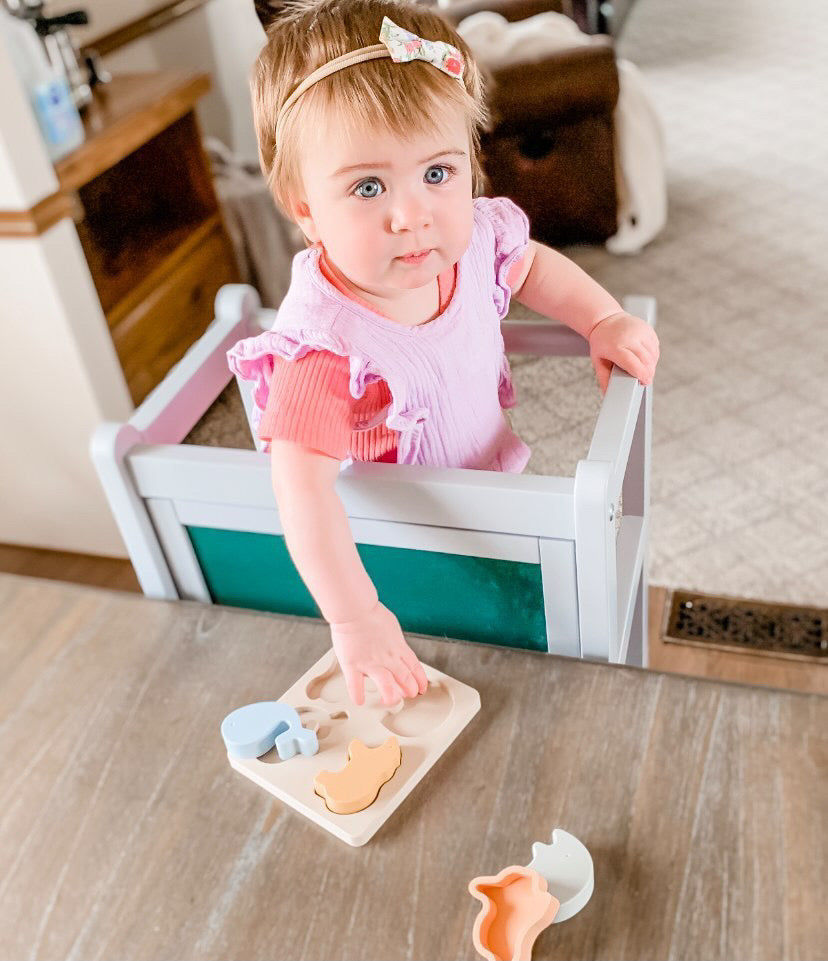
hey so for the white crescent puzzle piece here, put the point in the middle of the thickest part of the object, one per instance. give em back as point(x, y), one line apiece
point(567, 866)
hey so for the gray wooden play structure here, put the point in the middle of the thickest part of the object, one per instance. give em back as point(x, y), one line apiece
point(522, 560)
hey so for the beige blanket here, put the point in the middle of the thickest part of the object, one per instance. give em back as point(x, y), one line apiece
point(264, 241)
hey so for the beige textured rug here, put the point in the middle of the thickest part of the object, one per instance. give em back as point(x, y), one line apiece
point(740, 456)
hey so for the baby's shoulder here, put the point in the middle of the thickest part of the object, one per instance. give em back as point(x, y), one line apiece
point(499, 222)
point(308, 304)
point(500, 239)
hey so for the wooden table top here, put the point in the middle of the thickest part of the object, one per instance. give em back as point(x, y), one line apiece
point(124, 833)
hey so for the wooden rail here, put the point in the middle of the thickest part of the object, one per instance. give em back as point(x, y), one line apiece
point(164, 14)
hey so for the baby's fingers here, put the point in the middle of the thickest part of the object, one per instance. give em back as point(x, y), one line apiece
point(406, 680)
point(636, 365)
point(389, 690)
point(649, 358)
point(355, 682)
point(603, 369)
point(648, 348)
point(419, 676)
point(409, 658)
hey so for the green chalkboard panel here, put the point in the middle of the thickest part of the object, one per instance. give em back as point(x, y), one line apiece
point(446, 595)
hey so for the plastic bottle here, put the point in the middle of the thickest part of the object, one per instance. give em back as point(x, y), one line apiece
point(48, 91)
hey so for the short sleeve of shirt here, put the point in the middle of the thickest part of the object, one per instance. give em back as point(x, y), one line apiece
point(310, 403)
point(510, 226)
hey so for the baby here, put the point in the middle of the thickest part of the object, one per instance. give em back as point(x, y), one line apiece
point(387, 346)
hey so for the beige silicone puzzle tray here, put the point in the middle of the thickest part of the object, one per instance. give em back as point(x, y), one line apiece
point(424, 727)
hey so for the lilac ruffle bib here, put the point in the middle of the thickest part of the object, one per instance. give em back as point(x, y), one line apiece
point(449, 378)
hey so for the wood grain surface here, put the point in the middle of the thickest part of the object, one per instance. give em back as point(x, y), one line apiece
point(124, 115)
point(38, 219)
point(124, 833)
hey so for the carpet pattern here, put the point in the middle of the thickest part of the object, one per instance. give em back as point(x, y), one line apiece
point(739, 486)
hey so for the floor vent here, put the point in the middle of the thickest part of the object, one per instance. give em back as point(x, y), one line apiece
point(754, 627)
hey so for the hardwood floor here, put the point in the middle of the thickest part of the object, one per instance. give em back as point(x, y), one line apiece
point(61, 566)
point(753, 669)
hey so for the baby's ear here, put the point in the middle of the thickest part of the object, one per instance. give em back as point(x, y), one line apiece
point(301, 214)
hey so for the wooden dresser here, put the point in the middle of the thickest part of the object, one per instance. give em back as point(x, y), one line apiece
point(148, 219)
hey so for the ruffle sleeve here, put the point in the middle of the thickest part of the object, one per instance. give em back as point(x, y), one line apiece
point(506, 389)
point(511, 238)
point(252, 359)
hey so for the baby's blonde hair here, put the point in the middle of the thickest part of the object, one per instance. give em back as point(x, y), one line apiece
point(404, 98)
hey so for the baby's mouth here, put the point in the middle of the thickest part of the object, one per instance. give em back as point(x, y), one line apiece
point(416, 256)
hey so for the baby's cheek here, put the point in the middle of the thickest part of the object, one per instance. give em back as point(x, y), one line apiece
point(356, 248)
point(462, 226)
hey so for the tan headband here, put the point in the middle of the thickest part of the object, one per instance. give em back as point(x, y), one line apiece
point(400, 45)
point(332, 66)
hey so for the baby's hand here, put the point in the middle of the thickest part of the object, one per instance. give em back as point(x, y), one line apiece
point(627, 341)
point(374, 646)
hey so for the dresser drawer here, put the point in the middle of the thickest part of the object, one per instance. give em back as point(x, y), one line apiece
point(155, 334)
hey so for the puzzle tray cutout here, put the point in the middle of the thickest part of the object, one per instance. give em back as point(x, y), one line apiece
point(424, 728)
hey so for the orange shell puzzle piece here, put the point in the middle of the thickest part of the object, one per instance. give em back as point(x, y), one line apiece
point(357, 785)
point(516, 908)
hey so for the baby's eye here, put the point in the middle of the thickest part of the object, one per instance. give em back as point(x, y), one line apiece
point(442, 171)
point(374, 188)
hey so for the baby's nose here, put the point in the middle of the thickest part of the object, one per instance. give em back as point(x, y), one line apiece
point(410, 214)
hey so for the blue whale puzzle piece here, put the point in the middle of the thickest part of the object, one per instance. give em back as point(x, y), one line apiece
point(252, 730)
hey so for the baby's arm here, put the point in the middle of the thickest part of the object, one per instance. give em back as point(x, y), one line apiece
point(557, 288)
point(366, 636)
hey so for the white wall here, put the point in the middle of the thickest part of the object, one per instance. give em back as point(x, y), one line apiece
point(59, 374)
point(59, 378)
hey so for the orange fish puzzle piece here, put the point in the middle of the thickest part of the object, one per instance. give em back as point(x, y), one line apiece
point(357, 785)
point(516, 908)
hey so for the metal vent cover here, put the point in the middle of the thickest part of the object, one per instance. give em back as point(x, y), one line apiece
point(756, 627)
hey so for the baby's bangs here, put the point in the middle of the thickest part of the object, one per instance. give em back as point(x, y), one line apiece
point(406, 99)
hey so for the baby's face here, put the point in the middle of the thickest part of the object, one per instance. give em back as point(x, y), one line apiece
point(396, 198)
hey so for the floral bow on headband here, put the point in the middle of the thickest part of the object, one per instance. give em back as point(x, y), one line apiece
point(404, 46)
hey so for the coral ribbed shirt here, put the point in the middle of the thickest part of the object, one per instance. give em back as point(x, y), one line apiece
point(310, 402)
